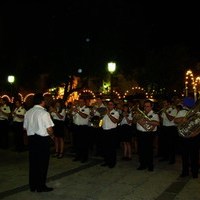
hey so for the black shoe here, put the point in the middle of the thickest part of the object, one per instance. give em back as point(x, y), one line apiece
point(183, 175)
point(55, 155)
point(195, 176)
point(98, 154)
point(162, 159)
point(104, 165)
point(45, 189)
point(141, 168)
point(150, 169)
point(76, 159)
point(20, 150)
point(84, 161)
point(33, 189)
point(60, 155)
point(111, 166)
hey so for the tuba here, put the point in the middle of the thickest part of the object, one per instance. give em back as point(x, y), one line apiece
point(140, 115)
point(191, 127)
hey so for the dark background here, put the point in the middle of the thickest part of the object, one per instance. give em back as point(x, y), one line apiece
point(153, 43)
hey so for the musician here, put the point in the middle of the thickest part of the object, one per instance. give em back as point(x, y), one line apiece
point(189, 146)
point(18, 130)
point(146, 128)
point(69, 123)
point(5, 112)
point(58, 114)
point(81, 134)
point(125, 132)
point(133, 107)
point(96, 114)
point(168, 137)
point(109, 131)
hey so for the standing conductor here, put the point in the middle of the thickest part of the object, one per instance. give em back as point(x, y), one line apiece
point(38, 124)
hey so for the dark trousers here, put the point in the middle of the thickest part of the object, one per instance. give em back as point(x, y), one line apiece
point(169, 142)
point(95, 138)
point(18, 135)
point(190, 155)
point(4, 129)
point(39, 152)
point(110, 146)
point(81, 142)
point(145, 148)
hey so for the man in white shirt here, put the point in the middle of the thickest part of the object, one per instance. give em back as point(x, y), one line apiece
point(146, 128)
point(189, 145)
point(168, 134)
point(81, 115)
point(39, 127)
point(110, 138)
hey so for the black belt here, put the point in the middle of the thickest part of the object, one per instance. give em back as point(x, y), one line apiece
point(41, 135)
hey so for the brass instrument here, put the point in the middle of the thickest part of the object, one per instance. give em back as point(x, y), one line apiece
point(139, 115)
point(191, 126)
point(96, 121)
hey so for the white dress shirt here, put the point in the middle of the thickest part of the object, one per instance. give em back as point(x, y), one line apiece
point(37, 120)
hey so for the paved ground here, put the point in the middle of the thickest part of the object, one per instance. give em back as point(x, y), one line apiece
point(90, 181)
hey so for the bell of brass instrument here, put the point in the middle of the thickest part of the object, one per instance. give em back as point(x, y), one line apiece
point(140, 115)
point(191, 126)
point(96, 121)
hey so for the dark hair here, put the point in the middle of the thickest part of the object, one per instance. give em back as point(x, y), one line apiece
point(148, 101)
point(168, 100)
point(38, 98)
point(17, 100)
point(5, 99)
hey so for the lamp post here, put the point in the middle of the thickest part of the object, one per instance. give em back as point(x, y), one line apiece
point(11, 80)
point(111, 69)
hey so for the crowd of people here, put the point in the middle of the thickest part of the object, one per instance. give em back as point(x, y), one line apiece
point(100, 128)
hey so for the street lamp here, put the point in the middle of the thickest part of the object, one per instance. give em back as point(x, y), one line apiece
point(11, 80)
point(111, 69)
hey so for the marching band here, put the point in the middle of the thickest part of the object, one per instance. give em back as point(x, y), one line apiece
point(104, 126)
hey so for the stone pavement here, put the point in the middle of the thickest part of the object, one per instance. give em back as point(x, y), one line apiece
point(90, 181)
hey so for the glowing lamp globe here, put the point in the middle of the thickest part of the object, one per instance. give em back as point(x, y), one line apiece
point(11, 79)
point(111, 67)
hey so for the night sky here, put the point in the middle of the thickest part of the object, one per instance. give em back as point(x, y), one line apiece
point(146, 39)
